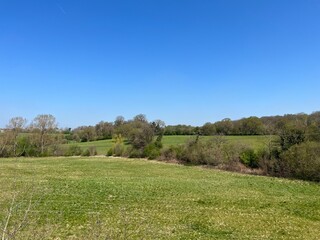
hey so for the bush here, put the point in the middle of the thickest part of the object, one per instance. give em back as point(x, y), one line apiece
point(249, 158)
point(110, 152)
point(91, 151)
point(26, 148)
point(135, 153)
point(86, 153)
point(210, 152)
point(152, 151)
point(172, 153)
point(73, 150)
point(57, 150)
point(118, 149)
point(302, 161)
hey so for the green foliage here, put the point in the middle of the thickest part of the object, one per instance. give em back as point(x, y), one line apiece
point(290, 136)
point(179, 130)
point(140, 137)
point(152, 151)
point(135, 153)
point(118, 149)
point(302, 161)
point(73, 150)
point(26, 147)
point(172, 153)
point(249, 158)
point(213, 152)
point(110, 152)
point(225, 126)
point(91, 151)
point(158, 142)
point(250, 126)
point(208, 129)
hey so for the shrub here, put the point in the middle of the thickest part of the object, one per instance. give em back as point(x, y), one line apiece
point(172, 153)
point(73, 150)
point(213, 152)
point(85, 153)
point(91, 151)
point(152, 151)
point(249, 158)
point(135, 153)
point(110, 152)
point(118, 149)
point(302, 161)
point(57, 150)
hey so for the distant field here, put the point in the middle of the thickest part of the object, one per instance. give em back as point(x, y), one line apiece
point(102, 146)
point(256, 142)
point(253, 141)
point(116, 198)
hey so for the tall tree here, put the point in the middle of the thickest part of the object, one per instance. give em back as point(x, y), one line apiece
point(43, 125)
point(15, 127)
point(120, 120)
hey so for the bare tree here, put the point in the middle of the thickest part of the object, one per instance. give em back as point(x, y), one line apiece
point(15, 127)
point(44, 124)
point(4, 142)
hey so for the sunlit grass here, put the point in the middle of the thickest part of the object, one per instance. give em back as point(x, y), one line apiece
point(119, 198)
point(255, 142)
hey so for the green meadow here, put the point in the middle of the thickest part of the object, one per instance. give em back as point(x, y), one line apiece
point(255, 142)
point(118, 198)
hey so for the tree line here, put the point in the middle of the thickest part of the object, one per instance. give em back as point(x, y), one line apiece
point(308, 125)
point(42, 137)
point(271, 125)
point(292, 146)
point(292, 142)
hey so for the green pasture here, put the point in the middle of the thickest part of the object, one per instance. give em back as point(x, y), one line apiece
point(117, 198)
point(255, 142)
point(102, 146)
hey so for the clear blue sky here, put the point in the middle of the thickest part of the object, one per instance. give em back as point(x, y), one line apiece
point(182, 61)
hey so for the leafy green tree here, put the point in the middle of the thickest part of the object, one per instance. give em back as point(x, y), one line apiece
point(208, 129)
point(140, 133)
point(225, 126)
point(313, 129)
point(251, 126)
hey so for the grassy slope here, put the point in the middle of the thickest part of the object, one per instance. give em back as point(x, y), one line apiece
point(140, 199)
point(253, 141)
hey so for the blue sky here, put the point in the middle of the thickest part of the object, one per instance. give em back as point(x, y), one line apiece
point(182, 61)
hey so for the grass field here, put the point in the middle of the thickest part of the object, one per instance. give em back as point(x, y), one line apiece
point(256, 142)
point(116, 198)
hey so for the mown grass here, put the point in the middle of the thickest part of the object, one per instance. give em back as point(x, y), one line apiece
point(117, 198)
point(255, 142)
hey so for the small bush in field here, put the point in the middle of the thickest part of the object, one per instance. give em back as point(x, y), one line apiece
point(73, 150)
point(135, 153)
point(118, 149)
point(110, 152)
point(172, 153)
point(91, 151)
point(86, 153)
point(152, 151)
point(249, 158)
point(205, 152)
